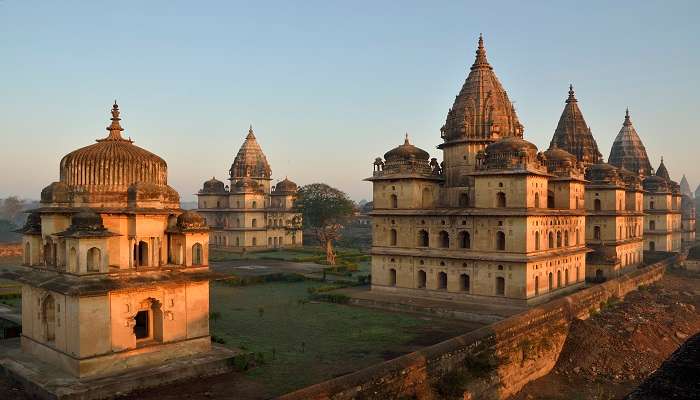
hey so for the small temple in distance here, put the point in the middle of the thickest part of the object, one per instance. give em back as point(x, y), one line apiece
point(250, 214)
point(115, 276)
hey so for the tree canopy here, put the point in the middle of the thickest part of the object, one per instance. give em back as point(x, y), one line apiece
point(323, 205)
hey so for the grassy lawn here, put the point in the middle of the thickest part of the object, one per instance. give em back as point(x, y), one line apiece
point(314, 341)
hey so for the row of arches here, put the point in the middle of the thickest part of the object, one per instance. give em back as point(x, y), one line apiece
point(557, 240)
point(463, 239)
point(422, 277)
point(551, 280)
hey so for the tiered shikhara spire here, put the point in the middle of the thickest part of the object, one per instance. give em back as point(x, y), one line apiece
point(573, 134)
point(628, 151)
point(250, 162)
point(481, 110)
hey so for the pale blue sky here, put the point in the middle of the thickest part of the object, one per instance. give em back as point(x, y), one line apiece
point(330, 85)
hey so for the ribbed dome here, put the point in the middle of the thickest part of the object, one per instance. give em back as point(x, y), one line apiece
point(213, 185)
point(286, 186)
point(560, 155)
point(601, 172)
point(510, 145)
point(191, 220)
point(655, 183)
point(406, 151)
point(662, 171)
point(250, 160)
point(112, 164)
point(482, 109)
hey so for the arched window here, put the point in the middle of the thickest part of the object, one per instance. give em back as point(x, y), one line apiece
point(27, 254)
point(578, 239)
point(142, 254)
point(651, 205)
point(392, 277)
point(566, 238)
point(566, 277)
point(537, 285)
point(596, 232)
point(423, 238)
point(254, 223)
point(652, 246)
point(537, 240)
point(444, 239)
point(464, 282)
point(500, 286)
point(596, 205)
point(551, 282)
point(551, 240)
point(500, 240)
point(465, 241)
point(421, 279)
point(197, 254)
point(394, 201)
point(500, 199)
point(255, 241)
point(652, 225)
point(559, 278)
point(392, 237)
point(442, 281)
point(559, 239)
point(537, 200)
point(550, 199)
point(255, 204)
point(93, 259)
point(218, 204)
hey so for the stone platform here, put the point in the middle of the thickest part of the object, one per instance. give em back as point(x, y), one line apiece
point(44, 381)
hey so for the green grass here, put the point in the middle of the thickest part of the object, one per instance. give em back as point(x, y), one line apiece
point(313, 341)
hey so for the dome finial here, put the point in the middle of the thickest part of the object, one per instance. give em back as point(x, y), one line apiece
point(406, 139)
point(481, 61)
point(115, 129)
point(571, 97)
point(628, 121)
point(251, 134)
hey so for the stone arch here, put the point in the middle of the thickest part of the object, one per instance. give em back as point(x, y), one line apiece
point(500, 200)
point(559, 240)
point(422, 279)
point(558, 278)
point(500, 286)
point(537, 200)
point(597, 205)
point(465, 241)
point(551, 281)
point(652, 246)
point(442, 280)
point(72, 259)
point(566, 238)
point(550, 241)
point(197, 254)
point(392, 277)
point(537, 285)
point(423, 238)
point(652, 225)
point(94, 259)
point(393, 237)
point(464, 282)
point(142, 257)
point(566, 277)
point(500, 240)
point(537, 240)
point(394, 201)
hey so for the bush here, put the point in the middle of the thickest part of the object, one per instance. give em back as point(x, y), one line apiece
point(451, 385)
point(218, 339)
point(331, 298)
point(480, 365)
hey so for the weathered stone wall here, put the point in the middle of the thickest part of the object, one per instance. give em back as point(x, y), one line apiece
point(490, 363)
point(10, 250)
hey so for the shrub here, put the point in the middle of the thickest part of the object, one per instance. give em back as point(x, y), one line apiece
point(331, 298)
point(451, 385)
point(480, 365)
point(218, 339)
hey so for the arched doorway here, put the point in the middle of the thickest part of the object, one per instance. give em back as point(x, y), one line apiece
point(392, 277)
point(500, 199)
point(599, 277)
point(143, 254)
point(93, 259)
point(442, 281)
point(500, 240)
point(197, 254)
point(551, 282)
point(421, 279)
point(500, 286)
point(464, 282)
point(537, 285)
point(27, 254)
point(652, 246)
point(49, 318)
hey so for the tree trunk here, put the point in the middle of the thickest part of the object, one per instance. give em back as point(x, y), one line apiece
point(330, 255)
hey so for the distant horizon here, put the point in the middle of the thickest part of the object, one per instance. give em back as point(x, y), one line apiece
point(329, 87)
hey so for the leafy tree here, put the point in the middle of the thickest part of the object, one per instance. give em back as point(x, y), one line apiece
point(324, 210)
point(12, 208)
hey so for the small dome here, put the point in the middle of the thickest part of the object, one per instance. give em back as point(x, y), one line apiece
point(654, 183)
point(286, 186)
point(601, 172)
point(560, 155)
point(86, 220)
point(190, 220)
point(213, 185)
point(32, 226)
point(511, 145)
point(406, 151)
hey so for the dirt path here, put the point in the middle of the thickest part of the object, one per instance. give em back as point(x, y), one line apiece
point(608, 355)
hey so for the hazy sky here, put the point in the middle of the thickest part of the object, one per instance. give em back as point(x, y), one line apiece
point(330, 85)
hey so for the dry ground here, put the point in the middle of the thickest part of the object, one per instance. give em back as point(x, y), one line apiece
point(608, 355)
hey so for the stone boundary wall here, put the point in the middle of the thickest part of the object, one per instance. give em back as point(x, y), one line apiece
point(10, 249)
point(492, 362)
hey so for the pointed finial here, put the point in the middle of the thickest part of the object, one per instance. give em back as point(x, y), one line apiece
point(480, 61)
point(251, 134)
point(405, 142)
point(571, 97)
point(627, 122)
point(115, 129)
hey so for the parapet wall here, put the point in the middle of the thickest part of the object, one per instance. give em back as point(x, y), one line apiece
point(10, 249)
point(493, 362)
